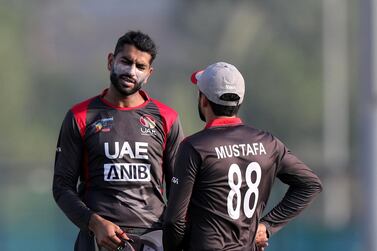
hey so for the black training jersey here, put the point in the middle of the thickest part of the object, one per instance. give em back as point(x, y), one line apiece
point(120, 156)
point(222, 180)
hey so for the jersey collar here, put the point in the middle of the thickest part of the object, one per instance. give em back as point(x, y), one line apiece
point(224, 122)
point(142, 93)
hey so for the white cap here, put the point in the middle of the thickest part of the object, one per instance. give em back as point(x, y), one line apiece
point(218, 79)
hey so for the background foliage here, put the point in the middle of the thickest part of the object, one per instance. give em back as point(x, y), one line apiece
point(54, 55)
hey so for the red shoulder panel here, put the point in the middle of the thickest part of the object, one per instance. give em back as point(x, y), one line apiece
point(79, 112)
point(168, 114)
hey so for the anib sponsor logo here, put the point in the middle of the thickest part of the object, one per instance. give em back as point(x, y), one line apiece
point(148, 125)
point(127, 172)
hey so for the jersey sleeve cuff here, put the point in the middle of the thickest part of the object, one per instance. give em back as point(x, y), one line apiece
point(86, 219)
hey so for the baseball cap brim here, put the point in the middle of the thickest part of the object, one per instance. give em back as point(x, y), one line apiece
point(195, 76)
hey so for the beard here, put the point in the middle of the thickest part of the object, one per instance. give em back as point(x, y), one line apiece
point(201, 115)
point(116, 81)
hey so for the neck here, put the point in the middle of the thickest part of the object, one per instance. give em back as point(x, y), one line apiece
point(210, 116)
point(119, 100)
point(213, 117)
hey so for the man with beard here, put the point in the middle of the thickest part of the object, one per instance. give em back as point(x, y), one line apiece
point(224, 174)
point(114, 152)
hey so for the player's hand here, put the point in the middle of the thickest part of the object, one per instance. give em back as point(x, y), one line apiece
point(107, 234)
point(261, 238)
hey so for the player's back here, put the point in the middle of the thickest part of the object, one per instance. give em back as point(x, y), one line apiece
point(233, 182)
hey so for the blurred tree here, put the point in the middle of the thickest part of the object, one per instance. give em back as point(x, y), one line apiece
point(277, 47)
point(17, 123)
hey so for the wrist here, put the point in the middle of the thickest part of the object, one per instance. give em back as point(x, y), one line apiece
point(267, 227)
point(94, 221)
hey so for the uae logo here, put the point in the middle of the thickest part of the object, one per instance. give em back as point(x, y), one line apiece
point(148, 125)
point(148, 121)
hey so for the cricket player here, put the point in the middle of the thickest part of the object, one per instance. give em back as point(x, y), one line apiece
point(224, 174)
point(114, 152)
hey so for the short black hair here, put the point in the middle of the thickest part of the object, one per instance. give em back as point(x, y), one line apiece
point(138, 39)
point(225, 110)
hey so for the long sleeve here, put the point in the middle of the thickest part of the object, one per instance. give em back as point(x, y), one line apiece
point(187, 164)
point(174, 138)
point(304, 185)
point(67, 170)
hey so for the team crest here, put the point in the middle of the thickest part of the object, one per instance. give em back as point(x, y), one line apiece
point(148, 125)
point(147, 121)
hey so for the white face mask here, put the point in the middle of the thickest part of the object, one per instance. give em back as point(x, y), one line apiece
point(130, 73)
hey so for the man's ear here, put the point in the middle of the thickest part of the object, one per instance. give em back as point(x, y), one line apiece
point(110, 61)
point(150, 73)
point(205, 101)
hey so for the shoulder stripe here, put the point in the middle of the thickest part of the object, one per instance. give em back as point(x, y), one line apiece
point(79, 112)
point(168, 114)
